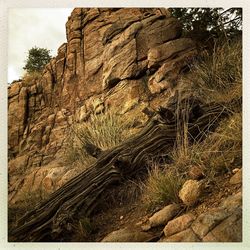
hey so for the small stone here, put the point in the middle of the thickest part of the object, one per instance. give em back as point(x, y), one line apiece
point(236, 178)
point(184, 236)
point(164, 215)
point(196, 173)
point(178, 224)
point(127, 235)
point(190, 192)
point(235, 170)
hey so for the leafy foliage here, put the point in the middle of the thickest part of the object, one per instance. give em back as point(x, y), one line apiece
point(37, 59)
point(210, 22)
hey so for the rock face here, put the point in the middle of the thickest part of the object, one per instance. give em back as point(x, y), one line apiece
point(127, 59)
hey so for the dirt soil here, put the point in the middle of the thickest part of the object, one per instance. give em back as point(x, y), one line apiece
point(119, 214)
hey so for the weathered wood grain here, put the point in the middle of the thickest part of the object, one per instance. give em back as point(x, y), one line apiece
point(55, 216)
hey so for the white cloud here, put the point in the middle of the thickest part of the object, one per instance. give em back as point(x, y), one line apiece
point(29, 27)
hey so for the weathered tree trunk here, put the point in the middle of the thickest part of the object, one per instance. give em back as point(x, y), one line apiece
point(55, 216)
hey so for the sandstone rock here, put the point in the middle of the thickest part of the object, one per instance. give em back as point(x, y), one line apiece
point(156, 30)
point(164, 215)
point(66, 177)
point(169, 50)
point(158, 87)
point(25, 188)
point(230, 230)
point(236, 178)
point(210, 238)
point(145, 226)
point(167, 75)
point(235, 170)
point(120, 57)
point(127, 235)
point(232, 202)
point(49, 181)
point(51, 119)
point(126, 95)
point(178, 224)
point(18, 165)
point(17, 117)
point(205, 222)
point(118, 27)
point(190, 192)
point(184, 236)
point(14, 89)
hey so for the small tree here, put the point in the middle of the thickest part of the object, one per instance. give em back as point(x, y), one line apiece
point(37, 59)
point(210, 22)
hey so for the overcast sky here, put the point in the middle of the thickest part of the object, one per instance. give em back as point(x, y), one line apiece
point(33, 27)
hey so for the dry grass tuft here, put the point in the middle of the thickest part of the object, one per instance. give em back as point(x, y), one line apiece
point(218, 153)
point(105, 130)
point(31, 78)
point(162, 186)
point(217, 78)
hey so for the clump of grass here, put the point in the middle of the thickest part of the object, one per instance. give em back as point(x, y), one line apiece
point(162, 186)
point(218, 77)
point(31, 77)
point(105, 130)
point(75, 152)
point(218, 153)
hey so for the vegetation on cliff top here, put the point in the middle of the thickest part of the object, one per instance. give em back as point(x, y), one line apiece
point(36, 60)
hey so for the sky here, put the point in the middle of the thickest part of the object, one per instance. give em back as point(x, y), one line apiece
point(30, 27)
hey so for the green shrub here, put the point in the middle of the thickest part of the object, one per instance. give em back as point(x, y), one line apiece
point(37, 59)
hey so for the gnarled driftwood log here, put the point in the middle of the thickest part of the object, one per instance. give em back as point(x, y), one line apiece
point(54, 216)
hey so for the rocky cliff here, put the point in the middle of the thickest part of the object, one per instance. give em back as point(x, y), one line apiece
point(122, 59)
